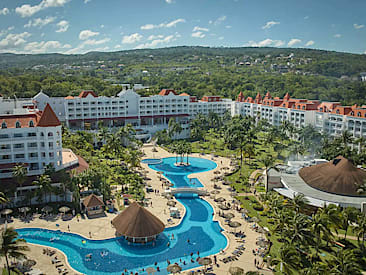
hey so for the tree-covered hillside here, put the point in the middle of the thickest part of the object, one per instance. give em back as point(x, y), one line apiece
point(304, 73)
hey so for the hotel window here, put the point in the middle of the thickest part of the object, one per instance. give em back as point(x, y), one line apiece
point(17, 124)
point(359, 114)
point(3, 125)
point(31, 123)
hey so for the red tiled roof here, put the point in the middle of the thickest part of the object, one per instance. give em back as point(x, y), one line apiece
point(167, 91)
point(48, 118)
point(84, 94)
point(184, 94)
point(69, 97)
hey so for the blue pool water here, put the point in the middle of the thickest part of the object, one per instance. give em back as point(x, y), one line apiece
point(113, 256)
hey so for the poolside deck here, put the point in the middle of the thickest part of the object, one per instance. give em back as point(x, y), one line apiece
point(100, 228)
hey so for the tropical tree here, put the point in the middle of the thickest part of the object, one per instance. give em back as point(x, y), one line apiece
point(20, 174)
point(344, 262)
point(11, 246)
point(360, 229)
point(44, 184)
point(348, 215)
point(298, 202)
point(268, 162)
point(174, 128)
point(287, 260)
point(320, 226)
point(3, 198)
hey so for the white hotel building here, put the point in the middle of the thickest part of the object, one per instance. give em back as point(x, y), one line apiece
point(326, 117)
point(149, 114)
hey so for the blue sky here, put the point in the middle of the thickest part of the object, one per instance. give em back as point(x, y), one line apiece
point(79, 26)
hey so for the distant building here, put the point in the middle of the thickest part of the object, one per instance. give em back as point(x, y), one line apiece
point(363, 76)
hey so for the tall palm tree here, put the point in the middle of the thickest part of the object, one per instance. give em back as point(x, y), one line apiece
point(11, 246)
point(298, 202)
point(344, 262)
point(320, 226)
point(174, 128)
point(297, 230)
point(20, 174)
point(360, 230)
point(268, 162)
point(44, 184)
point(287, 260)
point(348, 215)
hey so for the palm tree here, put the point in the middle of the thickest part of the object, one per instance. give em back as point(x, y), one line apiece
point(20, 174)
point(287, 260)
point(360, 230)
point(298, 202)
point(361, 188)
point(103, 134)
point(44, 184)
point(173, 128)
point(297, 230)
point(11, 246)
point(348, 215)
point(268, 162)
point(188, 149)
point(344, 262)
point(320, 224)
point(3, 198)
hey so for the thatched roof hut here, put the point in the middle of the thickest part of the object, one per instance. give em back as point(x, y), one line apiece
point(137, 224)
point(338, 176)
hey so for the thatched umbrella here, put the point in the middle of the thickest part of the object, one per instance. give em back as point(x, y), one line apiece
point(205, 261)
point(174, 268)
point(234, 224)
point(171, 203)
point(220, 199)
point(24, 210)
point(47, 209)
point(217, 172)
point(150, 270)
point(215, 192)
point(223, 207)
point(243, 210)
point(229, 216)
point(6, 212)
point(235, 270)
point(64, 209)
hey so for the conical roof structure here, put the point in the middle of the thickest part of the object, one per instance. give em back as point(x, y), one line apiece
point(137, 222)
point(338, 176)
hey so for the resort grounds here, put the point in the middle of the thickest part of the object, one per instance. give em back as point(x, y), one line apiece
point(101, 228)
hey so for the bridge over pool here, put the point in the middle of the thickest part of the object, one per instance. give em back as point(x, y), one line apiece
point(182, 190)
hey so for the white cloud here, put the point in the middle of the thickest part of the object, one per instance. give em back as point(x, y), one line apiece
point(86, 34)
point(96, 42)
point(157, 42)
point(228, 27)
point(163, 25)
point(4, 11)
point(87, 1)
point(169, 1)
point(3, 32)
point(13, 41)
point(218, 21)
point(196, 29)
point(45, 46)
point(221, 38)
point(198, 34)
point(337, 35)
point(62, 26)
point(265, 43)
point(270, 24)
point(27, 10)
point(306, 17)
point(153, 37)
point(309, 43)
point(130, 39)
point(117, 46)
point(39, 22)
point(293, 42)
point(356, 26)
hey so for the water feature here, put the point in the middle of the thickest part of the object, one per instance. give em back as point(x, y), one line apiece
point(113, 256)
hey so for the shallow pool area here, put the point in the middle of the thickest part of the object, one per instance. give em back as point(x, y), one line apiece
point(196, 232)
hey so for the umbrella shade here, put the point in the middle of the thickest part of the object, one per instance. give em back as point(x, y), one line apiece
point(221, 199)
point(6, 212)
point(150, 270)
point(205, 261)
point(64, 209)
point(29, 263)
point(174, 268)
point(229, 215)
point(223, 207)
point(217, 172)
point(24, 209)
point(235, 270)
point(234, 224)
point(215, 192)
point(171, 203)
point(47, 208)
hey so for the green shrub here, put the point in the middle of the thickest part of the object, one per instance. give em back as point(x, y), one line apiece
point(257, 207)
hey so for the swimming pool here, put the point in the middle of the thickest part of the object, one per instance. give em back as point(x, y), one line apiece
point(113, 256)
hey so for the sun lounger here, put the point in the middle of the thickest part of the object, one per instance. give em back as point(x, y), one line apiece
point(59, 265)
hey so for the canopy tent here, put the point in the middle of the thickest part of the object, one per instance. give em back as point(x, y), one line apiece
point(137, 224)
point(338, 176)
